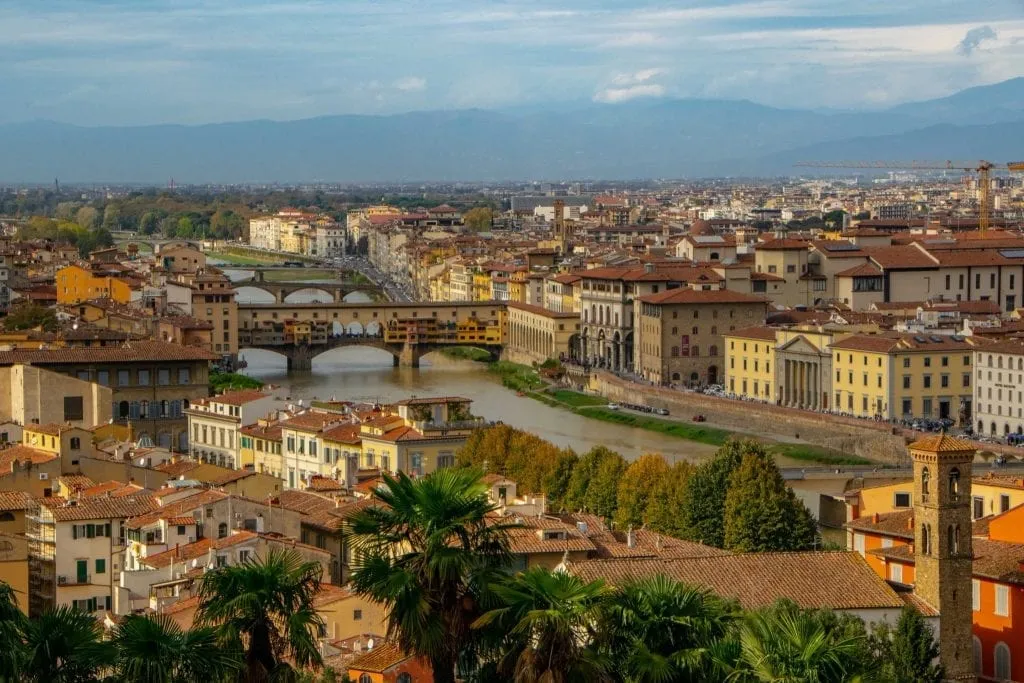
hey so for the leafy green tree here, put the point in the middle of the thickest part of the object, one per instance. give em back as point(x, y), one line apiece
point(657, 629)
point(636, 488)
point(111, 217)
point(779, 645)
point(908, 653)
point(264, 607)
point(149, 223)
point(703, 511)
point(27, 316)
point(668, 500)
point(602, 492)
point(65, 645)
point(546, 622)
point(154, 649)
point(87, 218)
point(556, 479)
point(478, 219)
point(428, 552)
point(185, 229)
point(226, 224)
point(762, 513)
point(12, 623)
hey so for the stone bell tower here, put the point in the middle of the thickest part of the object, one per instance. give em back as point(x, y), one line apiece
point(942, 544)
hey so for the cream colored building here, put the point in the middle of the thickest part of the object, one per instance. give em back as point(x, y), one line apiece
point(30, 394)
point(536, 334)
point(215, 424)
point(999, 388)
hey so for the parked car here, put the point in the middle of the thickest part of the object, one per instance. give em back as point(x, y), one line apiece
point(662, 411)
point(613, 406)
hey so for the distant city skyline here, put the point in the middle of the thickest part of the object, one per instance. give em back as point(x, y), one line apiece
point(95, 62)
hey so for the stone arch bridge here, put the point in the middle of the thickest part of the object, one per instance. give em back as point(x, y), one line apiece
point(407, 331)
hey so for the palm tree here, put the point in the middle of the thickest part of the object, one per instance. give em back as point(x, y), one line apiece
point(65, 645)
point(12, 621)
point(154, 649)
point(427, 552)
point(658, 630)
point(549, 618)
point(264, 607)
point(787, 645)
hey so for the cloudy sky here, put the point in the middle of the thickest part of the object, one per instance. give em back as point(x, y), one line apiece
point(193, 61)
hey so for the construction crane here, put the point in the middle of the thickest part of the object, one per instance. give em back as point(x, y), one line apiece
point(982, 168)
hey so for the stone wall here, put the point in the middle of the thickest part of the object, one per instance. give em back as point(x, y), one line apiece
point(867, 439)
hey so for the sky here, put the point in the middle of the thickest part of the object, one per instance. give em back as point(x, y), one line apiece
point(132, 62)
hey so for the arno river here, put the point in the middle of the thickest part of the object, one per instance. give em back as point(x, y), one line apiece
point(368, 374)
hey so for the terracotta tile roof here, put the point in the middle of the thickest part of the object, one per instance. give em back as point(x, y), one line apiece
point(778, 244)
point(22, 454)
point(343, 434)
point(861, 270)
point(178, 508)
point(182, 606)
point(321, 483)
point(767, 277)
point(100, 507)
point(759, 579)
point(309, 421)
point(901, 257)
point(317, 510)
point(13, 501)
point(329, 593)
point(380, 658)
point(266, 432)
point(914, 600)
point(178, 468)
point(685, 295)
point(429, 401)
point(871, 343)
point(757, 332)
point(51, 429)
point(231, 477)
point(181, 521)
point(238, 398)
point(76, 482)
point(897, 524)
point(942, 443)
point(135, 351)
point(609, 544)
point(526, 537)
point(541, 311)
point(114, 489)
point(996, 560)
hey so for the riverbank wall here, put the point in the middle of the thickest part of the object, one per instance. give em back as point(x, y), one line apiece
point(872, 440)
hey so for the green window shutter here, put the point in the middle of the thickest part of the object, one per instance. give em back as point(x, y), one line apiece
point(74, 533)
point(106, 530)
point(101, 566)
point(90, 531)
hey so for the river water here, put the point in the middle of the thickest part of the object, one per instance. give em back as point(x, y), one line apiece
point(354, 373)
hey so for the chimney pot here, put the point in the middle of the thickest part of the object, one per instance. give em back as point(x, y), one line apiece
point(876, 518)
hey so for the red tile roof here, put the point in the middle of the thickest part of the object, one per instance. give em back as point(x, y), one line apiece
point(22, 454)
point(685, 295)
point(135, 351)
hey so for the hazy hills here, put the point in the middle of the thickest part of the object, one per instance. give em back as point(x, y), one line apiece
point(642, 139)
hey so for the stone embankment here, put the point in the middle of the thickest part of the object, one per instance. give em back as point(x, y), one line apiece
point(878, 441)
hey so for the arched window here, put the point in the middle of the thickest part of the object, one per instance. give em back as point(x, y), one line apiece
point(981, 427)
point(976, 652)
point(953, 539)
point(926, 477)
point(926, 540)
point(675, 376)
point(1002, 669)
point(76, 443)
point(222, 530)
point(404, 678)
point(365, 678)
point(713, 350)
point(694, 377)
point(954, 482)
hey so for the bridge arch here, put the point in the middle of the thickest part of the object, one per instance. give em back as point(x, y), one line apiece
point(323, 295)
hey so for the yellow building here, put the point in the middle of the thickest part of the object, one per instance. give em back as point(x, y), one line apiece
point(259, 447)
point(750, 363)
point(536, 334)
point(347, 614)
point(14, 566)
point(991, 494)
point(481, 286)
point(905, 376)
point(77, 283)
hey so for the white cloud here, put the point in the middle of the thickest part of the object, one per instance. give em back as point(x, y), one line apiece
point(634, 39)
point(411, 84)
point(637, 77)
point(613, 95)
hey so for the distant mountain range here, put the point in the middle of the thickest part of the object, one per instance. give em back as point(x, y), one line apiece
point(639, 139)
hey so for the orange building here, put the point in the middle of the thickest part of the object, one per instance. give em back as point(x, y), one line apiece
point(387, 663)
point(77, 283)
point(886, 542)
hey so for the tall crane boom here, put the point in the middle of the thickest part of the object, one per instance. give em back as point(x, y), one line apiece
point(982, 168)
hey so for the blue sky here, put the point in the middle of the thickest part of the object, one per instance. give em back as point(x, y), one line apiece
point(187, 61)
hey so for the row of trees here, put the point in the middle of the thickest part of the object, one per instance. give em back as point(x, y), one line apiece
point(736, 500)
point(433, 555)
point(440, 566)
point(85, 237)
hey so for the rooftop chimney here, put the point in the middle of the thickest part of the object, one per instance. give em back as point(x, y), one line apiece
point(875, 518)
point(630, 537)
